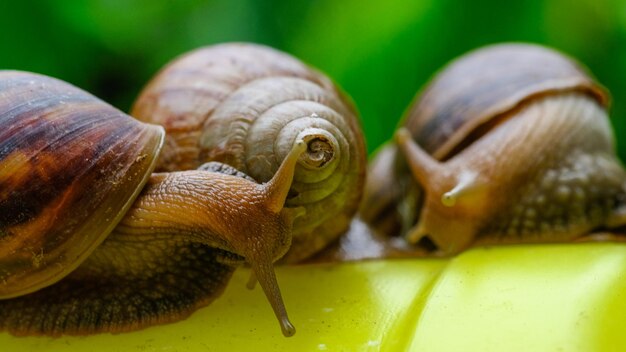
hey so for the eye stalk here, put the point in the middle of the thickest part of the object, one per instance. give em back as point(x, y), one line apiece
point(275, 192)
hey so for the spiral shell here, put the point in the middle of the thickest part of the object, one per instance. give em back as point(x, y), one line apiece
point(70, 167)
point(463, 101)
point(244, 105)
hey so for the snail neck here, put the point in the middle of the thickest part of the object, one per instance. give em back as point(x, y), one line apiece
point(193, 206)
point(222, 211)
point(217, 209)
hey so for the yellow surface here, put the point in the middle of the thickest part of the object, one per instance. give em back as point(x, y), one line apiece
point(523, 298)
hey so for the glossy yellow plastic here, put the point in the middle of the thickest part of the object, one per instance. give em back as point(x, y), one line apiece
point(569, 297)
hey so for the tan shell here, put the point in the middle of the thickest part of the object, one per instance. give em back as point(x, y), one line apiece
point(70, 167)
point(486, 84)
point(244, 105)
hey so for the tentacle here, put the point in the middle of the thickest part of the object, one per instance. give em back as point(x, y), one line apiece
point(277, 188)
point(264, 272)
point(425, 169)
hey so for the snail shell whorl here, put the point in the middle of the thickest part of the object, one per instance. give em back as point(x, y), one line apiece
point(486, 84)
point(245, 105)
point(70, 167)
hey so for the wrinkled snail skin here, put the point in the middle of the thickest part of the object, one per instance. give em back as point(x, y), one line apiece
point(243, 105)
point(510, 143)
point(92, 241)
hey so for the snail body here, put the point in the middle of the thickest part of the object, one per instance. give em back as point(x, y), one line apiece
point(93, 240)
point(510, 143)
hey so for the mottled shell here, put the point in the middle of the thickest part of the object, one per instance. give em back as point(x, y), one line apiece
point(461, 103)
point(471, 92)
point(70, 166)
point(244, 105)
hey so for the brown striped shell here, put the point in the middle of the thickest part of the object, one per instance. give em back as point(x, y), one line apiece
point(478, 88)
point(70, 167)
point(244, 105)
point(469, 119)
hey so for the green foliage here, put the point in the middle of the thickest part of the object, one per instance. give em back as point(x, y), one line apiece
point(380, 52)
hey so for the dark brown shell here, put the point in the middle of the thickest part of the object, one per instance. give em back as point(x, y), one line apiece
point(469, 93)
point(243, 105)
point(70, 167)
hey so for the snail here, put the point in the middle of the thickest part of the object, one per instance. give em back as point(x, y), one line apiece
point(242, 105)
point(100, 232)
point(509, 143)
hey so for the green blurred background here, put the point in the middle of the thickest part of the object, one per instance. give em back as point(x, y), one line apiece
point(380, 52)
